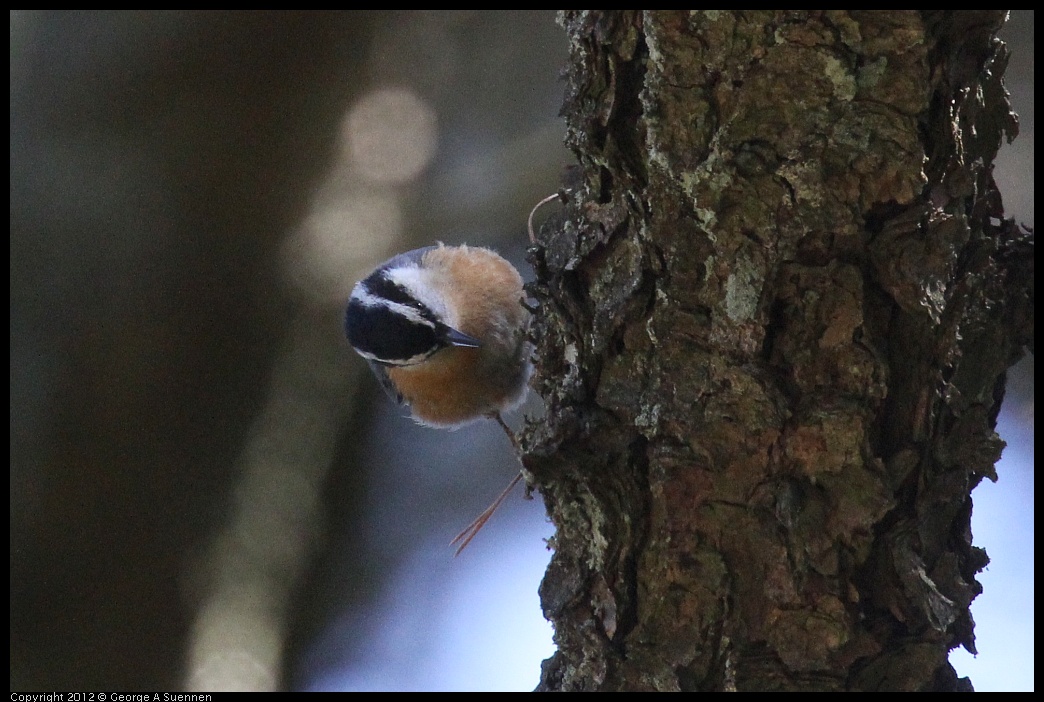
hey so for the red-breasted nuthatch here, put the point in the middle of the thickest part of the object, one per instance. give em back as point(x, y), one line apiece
point(444, 330)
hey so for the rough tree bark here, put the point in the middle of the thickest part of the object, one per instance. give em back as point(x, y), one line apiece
point(774, 322)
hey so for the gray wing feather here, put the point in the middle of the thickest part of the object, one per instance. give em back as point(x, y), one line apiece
point(409, 258)
point(381, 374)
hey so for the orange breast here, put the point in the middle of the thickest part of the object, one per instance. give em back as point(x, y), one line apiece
point(444, 392)
point(458, 385)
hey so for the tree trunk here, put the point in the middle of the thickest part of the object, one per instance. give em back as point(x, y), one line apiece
point(774, 323)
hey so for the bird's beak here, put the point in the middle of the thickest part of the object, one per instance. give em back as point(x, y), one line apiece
point(456, 338)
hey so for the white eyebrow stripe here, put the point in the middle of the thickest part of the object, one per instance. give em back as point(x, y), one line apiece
point(367, 299)
point(410, 313)
point(397, 362)
point(363, 296)
point(418, 283)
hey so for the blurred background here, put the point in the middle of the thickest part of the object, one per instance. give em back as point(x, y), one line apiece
point(208, 489)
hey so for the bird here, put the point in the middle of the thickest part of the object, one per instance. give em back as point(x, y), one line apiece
point(445, 331)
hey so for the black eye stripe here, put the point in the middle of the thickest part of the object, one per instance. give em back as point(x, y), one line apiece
point(388, 337)
point(379, 286)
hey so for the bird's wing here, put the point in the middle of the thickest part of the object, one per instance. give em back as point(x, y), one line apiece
point(381, 373)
